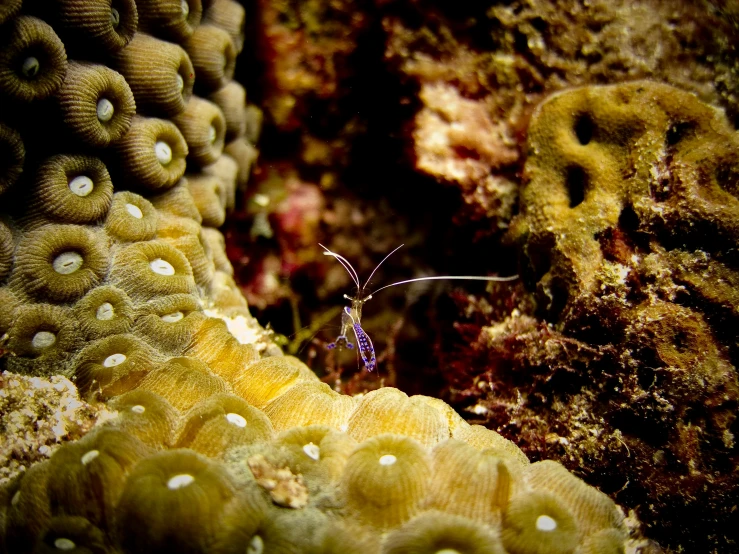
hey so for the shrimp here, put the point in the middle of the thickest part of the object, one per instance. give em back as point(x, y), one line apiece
point(351, 316)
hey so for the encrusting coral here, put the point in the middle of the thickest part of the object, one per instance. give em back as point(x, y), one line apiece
point(115, 276)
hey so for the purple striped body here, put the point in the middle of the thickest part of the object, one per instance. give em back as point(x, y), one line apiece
point(366, 349)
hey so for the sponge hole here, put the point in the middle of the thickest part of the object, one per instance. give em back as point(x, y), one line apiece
point(727, 177)
point(584, 128)
point(577, 183)
point(677, 132)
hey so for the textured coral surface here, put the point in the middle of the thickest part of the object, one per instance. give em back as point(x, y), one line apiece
point(416, 132)
point(124, 140)
point(627, 220)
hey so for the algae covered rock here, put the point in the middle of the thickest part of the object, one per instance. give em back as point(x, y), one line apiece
point(610, 168)
point(628, 233)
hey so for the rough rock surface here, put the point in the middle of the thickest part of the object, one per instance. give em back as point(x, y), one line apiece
point(627, 218)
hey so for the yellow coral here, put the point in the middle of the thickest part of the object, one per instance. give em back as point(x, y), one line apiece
point(385, 480)
point(389, 410)
point(484, 498)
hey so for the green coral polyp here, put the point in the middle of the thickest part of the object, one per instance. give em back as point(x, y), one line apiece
point(131, 218)
point(175, 499)
point(43, 68)
point(79, 98)
point(113, 365)
point(72, 534)
point(482, 499)
point(73, 189)
point(170, 322)
point(184, 381)
point(149, 269)
point(42, 331)
point(385, 480)
point(60, 263)
point(538, 523)
point(104, 311)
point(222, 421)
point(442, 533)
point(152, 154)
point(89, 475)
point(146, 416)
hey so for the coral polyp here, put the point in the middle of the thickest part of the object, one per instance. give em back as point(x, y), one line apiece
point(384, 482)
point(175, 499)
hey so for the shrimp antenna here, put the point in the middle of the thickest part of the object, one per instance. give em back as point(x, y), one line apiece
point(378, 266)
point(343, 261)
point(451, 278)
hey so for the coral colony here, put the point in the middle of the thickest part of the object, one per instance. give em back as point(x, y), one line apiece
point(145, 410)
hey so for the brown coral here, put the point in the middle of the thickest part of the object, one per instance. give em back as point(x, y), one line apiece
point(33, 62)
point(159, 73)
point(96, 103)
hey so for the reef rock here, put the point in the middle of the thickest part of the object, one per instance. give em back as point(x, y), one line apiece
point(628, 233)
